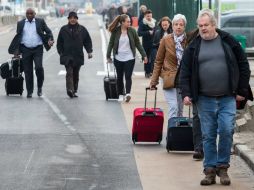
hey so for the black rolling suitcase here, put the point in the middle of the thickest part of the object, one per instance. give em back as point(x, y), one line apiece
point(14, 83)
point(14, 66)
point(179, 134)
point(110, 85)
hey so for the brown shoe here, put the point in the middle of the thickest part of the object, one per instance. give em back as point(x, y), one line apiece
point(222, 172)
point(210, 175)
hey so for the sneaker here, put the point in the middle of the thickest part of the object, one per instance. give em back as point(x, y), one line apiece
point(127, 98)
point(120, 98)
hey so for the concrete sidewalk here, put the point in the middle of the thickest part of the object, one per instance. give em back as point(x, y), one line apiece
point(175, 170)
point(6, 28)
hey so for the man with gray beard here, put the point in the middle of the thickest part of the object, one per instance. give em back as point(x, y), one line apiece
point(214, 74)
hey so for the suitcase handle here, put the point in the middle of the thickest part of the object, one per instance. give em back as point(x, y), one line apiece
point(13, 59)
point(108, 70)
point(155, 99)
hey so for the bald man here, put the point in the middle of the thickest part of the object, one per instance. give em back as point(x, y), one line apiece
point(32, 34)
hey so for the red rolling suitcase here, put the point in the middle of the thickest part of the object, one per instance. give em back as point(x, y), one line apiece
point(147, 123)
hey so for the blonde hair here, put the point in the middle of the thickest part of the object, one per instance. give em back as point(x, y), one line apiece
point(118, 20)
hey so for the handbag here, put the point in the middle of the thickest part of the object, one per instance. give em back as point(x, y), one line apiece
point(168, 78)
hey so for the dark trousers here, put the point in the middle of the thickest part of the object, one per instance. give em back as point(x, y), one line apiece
point(124, 69)
point(30, 55)
point(148, 67)
point(72, 77)
point(152, 57)
point(196, 129)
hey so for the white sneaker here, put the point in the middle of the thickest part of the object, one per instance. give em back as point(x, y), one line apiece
point(128, 97)
point(120, 98)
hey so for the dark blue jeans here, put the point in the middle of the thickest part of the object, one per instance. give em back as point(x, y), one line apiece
point(124, 68)
point(217, 117)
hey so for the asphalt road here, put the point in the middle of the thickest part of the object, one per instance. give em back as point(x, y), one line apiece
point(55, 142)
point(59, 143)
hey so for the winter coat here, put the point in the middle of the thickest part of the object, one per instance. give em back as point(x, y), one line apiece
point(159, 33)
point(166, 60)
point(238, 67)
point(147, 38)
point(70, 43)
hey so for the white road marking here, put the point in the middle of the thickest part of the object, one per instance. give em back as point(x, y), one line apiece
point(103, 46)
point(62, 72)
point(104, 73)
point(57, 111)
point(29, 161)
point(139, 73)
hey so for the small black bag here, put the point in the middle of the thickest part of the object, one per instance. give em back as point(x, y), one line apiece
point(15, 66)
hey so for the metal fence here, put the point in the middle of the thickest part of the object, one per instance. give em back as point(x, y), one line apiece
point(161, 8)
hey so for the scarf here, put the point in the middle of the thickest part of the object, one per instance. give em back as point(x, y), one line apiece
point(179, 49)
point(151, 23)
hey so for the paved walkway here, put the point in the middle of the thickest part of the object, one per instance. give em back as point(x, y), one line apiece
point(175, 171)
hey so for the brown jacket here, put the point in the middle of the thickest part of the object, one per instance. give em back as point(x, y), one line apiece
point(166, 60)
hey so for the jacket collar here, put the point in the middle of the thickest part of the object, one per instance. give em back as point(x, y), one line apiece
point(223, 35)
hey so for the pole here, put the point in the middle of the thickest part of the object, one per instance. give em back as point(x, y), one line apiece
point(210, 4)
point(217, 11)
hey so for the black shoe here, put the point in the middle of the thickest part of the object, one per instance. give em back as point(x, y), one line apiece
point(39, 92)
point(70, 93)
point(75, 95)
point(147, 75)
point(29, 95)
point(198, 155)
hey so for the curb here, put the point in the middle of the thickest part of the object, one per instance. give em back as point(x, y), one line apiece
point(242, 122)
point(245, 153)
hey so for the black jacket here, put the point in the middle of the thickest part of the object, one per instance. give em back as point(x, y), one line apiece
point(41, 28)
point(238, 66)
point(159, 33)
point(70, 44)
point(147, 38)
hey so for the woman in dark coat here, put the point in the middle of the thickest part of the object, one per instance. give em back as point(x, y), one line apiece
point(70, 42)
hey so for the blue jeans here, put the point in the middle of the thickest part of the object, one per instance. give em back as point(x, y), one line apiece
point(217, 116)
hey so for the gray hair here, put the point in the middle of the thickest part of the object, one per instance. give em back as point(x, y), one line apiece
point(178, 17)
point(209, 13)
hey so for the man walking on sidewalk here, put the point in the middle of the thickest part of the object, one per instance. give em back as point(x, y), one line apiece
point(32, 34)
point(214, 74)
point(70, 42)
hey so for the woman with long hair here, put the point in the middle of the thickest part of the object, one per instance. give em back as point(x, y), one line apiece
point(123, 41)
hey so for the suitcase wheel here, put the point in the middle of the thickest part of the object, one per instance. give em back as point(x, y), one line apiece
point(134, 138)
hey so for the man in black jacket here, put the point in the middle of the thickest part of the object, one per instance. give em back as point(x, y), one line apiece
point(214, 74)
point(32, 34)
point(70, 42)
